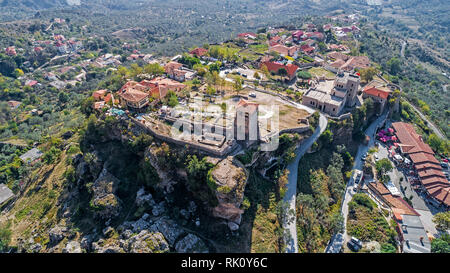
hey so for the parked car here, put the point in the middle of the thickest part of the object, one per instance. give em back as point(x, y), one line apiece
point(353, 247)
point(376, 157)
point(357, 176)
point(253, 95)
point(356, 241)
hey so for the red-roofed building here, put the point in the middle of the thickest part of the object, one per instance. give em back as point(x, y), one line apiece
point(11, 51)
point(38, 49)
point(428, 169)
point(297, 35)
point(199, 52)
point(134, 99)
point(248, 35)
point(275, 67)
point(378, 91)
point(307, 49)
point(284, 50)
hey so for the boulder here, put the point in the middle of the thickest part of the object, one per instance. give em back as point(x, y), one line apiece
point(191, 244)
point(105, 202)
point(230, 178)
point(158, 209)
point(56, 234)
point(72, 247)
point(143, 199)
point(168, 228)
point(35, 248)
point(148, 242)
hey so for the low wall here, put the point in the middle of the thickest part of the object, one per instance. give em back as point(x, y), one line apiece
point(217, 152)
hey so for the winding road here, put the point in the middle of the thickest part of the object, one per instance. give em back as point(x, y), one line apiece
point(430, 124)
point(337, 241)
point(290, 224)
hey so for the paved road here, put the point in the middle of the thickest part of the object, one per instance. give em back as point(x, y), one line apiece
point(430, 124)
point(337, 241)
point(290, 197)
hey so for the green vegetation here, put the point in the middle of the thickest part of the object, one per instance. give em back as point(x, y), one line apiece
point(441, 245)
point(442, 220)
point(367, 223)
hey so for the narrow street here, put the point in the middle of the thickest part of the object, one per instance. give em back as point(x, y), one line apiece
point(338, 240)
point(290, 225)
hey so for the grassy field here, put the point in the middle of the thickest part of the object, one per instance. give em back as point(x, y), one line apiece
point(319, 71)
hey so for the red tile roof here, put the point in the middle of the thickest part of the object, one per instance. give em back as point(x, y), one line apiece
point(407, 135)
point(133, 95)
point(429, 170)
point(375, 92)
point(275, 66)
point(441, 193)
point(398, 205)
point(430, 173)
point(199, 51)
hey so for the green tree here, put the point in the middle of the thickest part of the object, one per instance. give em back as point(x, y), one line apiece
point(63, 97)
point(383, 166)
point(394, 65)
point(388, 248)
point(237, 84)
point(367, 74)
point(442, 220)
point(441, 245)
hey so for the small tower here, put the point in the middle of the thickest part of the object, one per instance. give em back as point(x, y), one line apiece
point(352, 87)
point(246, 123)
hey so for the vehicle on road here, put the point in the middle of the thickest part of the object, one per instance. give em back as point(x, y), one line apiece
point(376, 157)
point(356, 241)
point(353, 247)
point(357, 176)
point(253, 95)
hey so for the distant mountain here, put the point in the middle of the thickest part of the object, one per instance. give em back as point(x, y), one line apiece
point(35, 4)
point(19, 9)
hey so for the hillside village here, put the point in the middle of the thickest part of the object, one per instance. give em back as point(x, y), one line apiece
point(231, 101)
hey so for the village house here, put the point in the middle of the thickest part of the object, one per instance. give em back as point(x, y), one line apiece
point(275, 67)
point(134, 99)
point(412, 233)
point(284, 50)
point(345, 62)
point(379, 92)
point(176, 71)
point(31, 156)
point(297, 35)
point(428, 169)
point(156, 88)
point(11, 51)
point(332, 98)
point(199, 52)
point(5, 194)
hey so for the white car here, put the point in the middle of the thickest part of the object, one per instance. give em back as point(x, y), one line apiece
point(376, 157)
point(357, 176)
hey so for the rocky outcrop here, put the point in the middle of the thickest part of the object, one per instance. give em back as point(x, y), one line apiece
point(57, 234)
point(166, 182)
point(230, 179)
point(147, 242)
point(72, 247)
point(191, 244)
point(105, 201)
point(150, 235)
